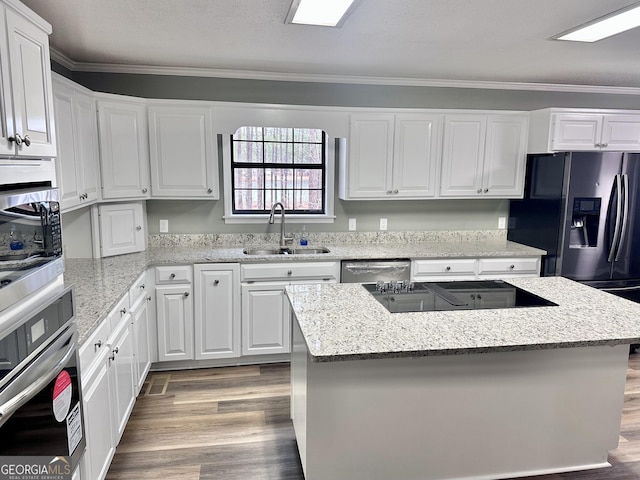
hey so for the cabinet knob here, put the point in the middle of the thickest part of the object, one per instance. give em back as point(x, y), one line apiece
point(149, 299)
point(123, 311)
point(388, 192)
point(98, 344)
point(16, 138)
point(138, 228)
point(216, 282)
point(605, 145)
point(27, 140)
point(144, 190)
point(479, 297)
point(448, 268)
point(172, 276)
point(512, 267)
point(186, 294)
point(209, 190)
point(289, 272)
point(486, 190)
point(142, 287)
point(479, 190)
point(395, 191)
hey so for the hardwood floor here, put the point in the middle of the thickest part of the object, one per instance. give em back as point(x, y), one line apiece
point(233, 424)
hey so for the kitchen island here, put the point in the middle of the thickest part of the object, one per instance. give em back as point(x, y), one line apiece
point(485, 394)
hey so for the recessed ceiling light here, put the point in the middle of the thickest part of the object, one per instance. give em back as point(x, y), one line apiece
point(612, 24)
point(326, 13)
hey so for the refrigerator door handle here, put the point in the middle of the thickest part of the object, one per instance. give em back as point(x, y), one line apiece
point(625, 214)
point(616, 231)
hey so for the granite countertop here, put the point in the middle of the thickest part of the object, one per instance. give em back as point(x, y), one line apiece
point(100, 283)
point(344, 322)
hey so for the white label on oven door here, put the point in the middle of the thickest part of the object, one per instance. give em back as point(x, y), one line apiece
point(74, 428)
point(62, 391)
point(37, 330)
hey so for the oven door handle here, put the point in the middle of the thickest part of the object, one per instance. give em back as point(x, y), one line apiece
point(28, 383)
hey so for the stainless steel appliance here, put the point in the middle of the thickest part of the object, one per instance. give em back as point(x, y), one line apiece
point(583, 207)
point(372, 271)
point(40, 397)
point(398, 296)
point(30, 242)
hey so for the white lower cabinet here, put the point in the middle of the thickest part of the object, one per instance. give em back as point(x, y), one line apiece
point(174, 310)
point(443, 269)
point(122, 373)
point(140, 325)
point(266, 319)
point(217, 311)
point(266, 315)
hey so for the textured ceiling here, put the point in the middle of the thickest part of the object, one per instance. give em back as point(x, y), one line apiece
point(483, 40)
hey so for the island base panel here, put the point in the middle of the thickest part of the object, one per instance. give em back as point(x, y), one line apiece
point(488, 416)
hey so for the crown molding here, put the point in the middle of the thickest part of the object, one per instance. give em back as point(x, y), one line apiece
point(339, 79)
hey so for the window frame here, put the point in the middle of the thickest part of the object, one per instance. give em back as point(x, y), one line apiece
point(328, 216)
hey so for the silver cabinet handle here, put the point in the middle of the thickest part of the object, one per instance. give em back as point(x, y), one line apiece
point(209, 190)
point(148, 298)
point(142, 287)
point(123, 311)
point(289, 272)
point(138, 228)
point(486, 190)
point(448, 268)
point(479, 190)
point(479, 297)
point(605, 145)
point(98, 344)
point(16, 138)
point(512, 267)
point(216, 282)
point(395, 191)
point(27, 140)
point(186, 294)
point(172, 276)
point(144, 190)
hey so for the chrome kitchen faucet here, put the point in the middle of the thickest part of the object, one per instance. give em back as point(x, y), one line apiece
point(284, 241)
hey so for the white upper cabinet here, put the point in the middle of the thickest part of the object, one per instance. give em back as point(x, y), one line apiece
point(77, 140)
point(555, 130)
point(391, 156)
point(183, 152)
point(124, 153)
point(483, 156)
point(120, 228)
point(27, 103)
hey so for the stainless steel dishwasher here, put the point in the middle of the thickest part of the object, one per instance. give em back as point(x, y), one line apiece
point(372, 271)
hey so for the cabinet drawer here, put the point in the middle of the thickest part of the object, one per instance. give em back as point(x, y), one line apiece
point(509, 266)
point(173, 274)
point(94, 345)
point(138, 289)
point(289, 271)
point(119, 312)
point(446, 267)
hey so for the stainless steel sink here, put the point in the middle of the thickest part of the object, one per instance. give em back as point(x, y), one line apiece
point(285, 251)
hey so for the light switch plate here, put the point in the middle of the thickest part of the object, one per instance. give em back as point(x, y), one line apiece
point(164, 226)
point(352, 224)
point(502, 223)
point(383, 224)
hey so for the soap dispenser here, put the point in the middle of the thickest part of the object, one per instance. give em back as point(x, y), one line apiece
point(16, 242)
point(303, 236)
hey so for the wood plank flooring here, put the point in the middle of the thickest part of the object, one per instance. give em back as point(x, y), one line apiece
point(233, 424)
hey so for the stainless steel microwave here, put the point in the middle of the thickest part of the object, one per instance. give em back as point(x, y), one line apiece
point(30, 242)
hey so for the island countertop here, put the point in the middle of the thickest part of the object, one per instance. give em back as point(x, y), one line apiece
point(345, 322)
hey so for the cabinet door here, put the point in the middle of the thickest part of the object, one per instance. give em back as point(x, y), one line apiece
point(266, 319)
point(121, 228)
point(98, 422)
point(462, 155)
point(86, 135)
point(124, 155)
point(416, 151)
point(174, 312)
point(370, 156)
point(122, 375)
point(621, 132)
point(573, 131)
point(67, 164)
point(183, 153)
point(505, 156)
point(217, 311)
point(30, 68)
point(140, 322)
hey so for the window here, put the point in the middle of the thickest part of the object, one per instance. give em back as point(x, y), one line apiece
point(272, 165)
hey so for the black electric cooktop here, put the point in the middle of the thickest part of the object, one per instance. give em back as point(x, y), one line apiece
point(444, 296)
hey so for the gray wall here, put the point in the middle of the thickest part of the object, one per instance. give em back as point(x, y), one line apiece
point(206, 216)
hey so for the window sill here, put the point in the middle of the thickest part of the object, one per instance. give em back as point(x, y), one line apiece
point(290, 219)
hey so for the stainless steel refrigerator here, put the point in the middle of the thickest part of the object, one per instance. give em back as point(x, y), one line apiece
point(584, 209)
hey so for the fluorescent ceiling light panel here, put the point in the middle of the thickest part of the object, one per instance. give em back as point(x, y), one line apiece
point(612, 24)
point(326, 13)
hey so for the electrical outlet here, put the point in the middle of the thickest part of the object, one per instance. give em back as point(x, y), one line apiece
point(164, 226)
point(383, 224)
point(352, 224)
point(502, 223)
